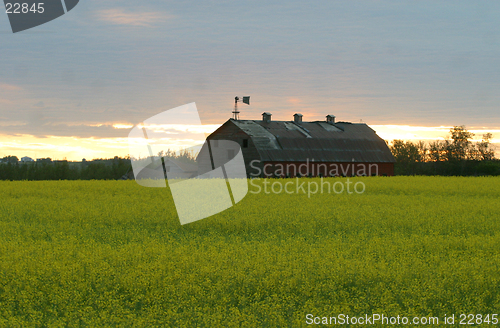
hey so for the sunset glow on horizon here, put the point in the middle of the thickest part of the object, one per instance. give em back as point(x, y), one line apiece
point(77, 148)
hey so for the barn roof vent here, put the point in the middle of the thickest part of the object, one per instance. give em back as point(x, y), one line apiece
point(266, 117)
point(297, 118)
point(330, 119)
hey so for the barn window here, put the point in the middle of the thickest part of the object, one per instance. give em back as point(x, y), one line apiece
point(230, 153)
point(245, 143)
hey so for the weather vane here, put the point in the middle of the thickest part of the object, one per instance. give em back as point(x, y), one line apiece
point(236, 113)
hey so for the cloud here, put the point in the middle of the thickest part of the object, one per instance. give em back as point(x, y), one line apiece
point(4, 122)
point(9, 87)
point(39, 104)
point(181, 128)
point(123, 126)
point(61, 147)
point(294, 101)
point(36, 129)
point(9, 91)
point(6, 101)
point(120, 17)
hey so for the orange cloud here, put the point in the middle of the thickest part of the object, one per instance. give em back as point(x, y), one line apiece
point(294, 101)
point(9, 87)
point(120, 17)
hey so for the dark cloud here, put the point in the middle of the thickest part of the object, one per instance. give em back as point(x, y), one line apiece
point(63, 130)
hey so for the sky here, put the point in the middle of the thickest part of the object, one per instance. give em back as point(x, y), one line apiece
point(74, 87)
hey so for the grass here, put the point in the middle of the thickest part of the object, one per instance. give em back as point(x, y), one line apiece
point(113, 254)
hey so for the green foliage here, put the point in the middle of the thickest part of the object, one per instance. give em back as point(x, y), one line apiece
point(113, 254)
point(101, 169)
point(446, 168)
point(459, 149)
point(405, 152)
point(10, 159)
point(484, 151)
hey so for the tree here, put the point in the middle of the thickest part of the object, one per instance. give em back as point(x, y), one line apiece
point(438, 150)
point(423, 151)
point(405, 152)
point(10, 159)
point(484, 151)
point(459, 149)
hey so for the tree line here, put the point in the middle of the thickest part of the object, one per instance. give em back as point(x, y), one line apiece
point(457, 155)
point(98, 169)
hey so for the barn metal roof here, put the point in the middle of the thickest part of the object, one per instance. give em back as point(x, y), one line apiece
point(288, 141)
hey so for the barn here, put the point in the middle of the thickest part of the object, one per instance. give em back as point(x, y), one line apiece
point(296, 148)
